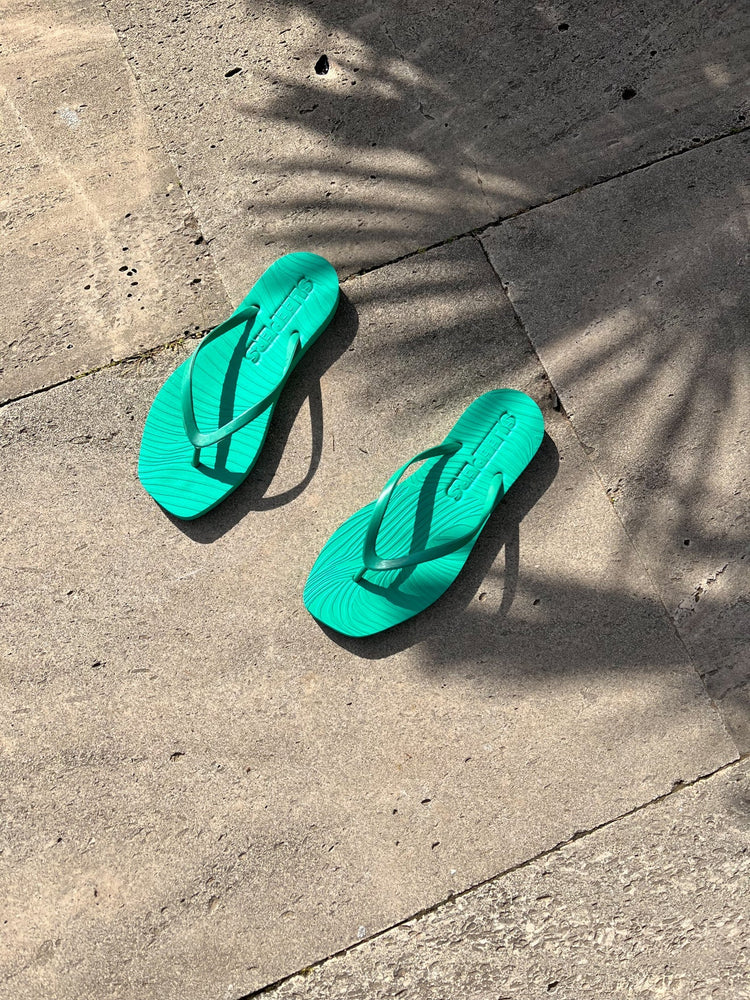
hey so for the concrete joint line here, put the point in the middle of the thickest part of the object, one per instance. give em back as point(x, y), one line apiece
point(677, 787)
point(114, 363)
point(675, 619)
point(556, 401)
point(478, 230)
point(377, 267)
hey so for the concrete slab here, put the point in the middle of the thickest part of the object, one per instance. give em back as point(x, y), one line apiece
point(634, 294)
point(427, 122)
point(653, 906)
point(101, 255)
point(203, 790)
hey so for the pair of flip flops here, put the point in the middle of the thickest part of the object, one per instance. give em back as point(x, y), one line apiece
point(394, 557)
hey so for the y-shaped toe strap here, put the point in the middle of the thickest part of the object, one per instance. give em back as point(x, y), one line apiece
point(372, 560)
point(198, 439)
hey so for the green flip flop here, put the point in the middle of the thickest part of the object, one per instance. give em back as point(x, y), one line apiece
point(428, 524)
point(208, 422)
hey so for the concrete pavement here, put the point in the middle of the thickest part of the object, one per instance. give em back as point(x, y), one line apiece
point(204, 792)
point(219, 785)
point(653, 905)
point(101, 255)
point(634, 296)
point(429, 121)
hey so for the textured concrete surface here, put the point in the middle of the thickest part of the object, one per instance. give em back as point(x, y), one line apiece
point(429, 121)
point(101, 256)
point(653, 906)
point(203, 791)
point(635, 296)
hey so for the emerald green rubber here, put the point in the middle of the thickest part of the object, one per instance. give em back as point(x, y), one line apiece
point(427, 524)
point(207, 424)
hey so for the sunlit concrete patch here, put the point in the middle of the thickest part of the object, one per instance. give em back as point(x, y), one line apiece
point(420, 124)
point(652, 906)
point(634, 294)
point(197, 777)
point(101, 254)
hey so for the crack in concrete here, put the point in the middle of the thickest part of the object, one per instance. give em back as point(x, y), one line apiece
point(688, 605)
point(115, 363)
point(486, 200)
point(390, 38)
point(677, 788)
